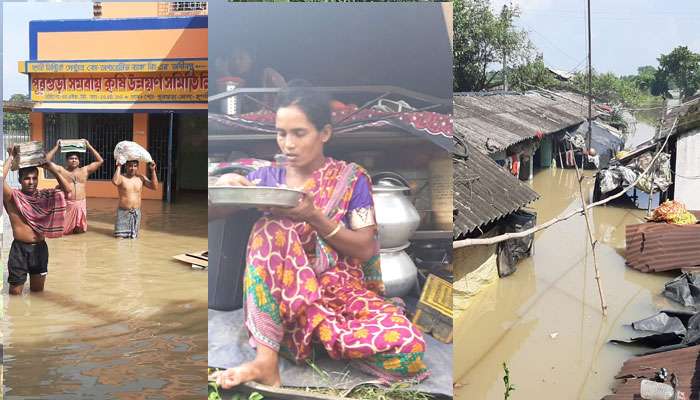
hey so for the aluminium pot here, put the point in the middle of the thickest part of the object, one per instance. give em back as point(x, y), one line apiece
point(399, 273)
point(397, 218)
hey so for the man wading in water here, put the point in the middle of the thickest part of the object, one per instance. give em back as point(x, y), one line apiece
point(76, 208)
point(34, 214)
point(130, 185)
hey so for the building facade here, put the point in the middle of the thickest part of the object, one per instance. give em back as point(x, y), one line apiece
point(127, 74)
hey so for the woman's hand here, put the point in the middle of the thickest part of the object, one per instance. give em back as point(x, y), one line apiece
point(305, 211)
point(232, 179)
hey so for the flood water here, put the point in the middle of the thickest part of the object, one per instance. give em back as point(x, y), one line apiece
point(544, 321)
point(119, 318)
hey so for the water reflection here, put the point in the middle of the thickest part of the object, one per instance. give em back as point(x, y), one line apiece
point(119, 318)
point(544, 321)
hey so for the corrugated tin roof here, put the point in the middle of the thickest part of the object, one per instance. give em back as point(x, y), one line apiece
point(17, 106)
point(682, 362)
point(492, 122)
point(485, 192)
point(655, 247)
point(687, 114)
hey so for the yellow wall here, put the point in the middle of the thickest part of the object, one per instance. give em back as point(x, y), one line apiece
point(103, 189)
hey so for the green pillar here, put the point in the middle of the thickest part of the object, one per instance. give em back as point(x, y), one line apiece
point(546, 152)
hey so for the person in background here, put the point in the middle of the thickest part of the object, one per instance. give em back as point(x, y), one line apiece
point(34, 215)
point(130, 186)
point(241, 64)
point(76, 206)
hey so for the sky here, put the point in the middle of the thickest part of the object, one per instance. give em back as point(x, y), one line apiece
point(15, 35)
point(625, 34)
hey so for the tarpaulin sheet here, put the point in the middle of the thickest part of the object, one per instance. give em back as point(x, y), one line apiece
point(665, 330)
point(228, 347)
point(669, 330)
point(684, 289)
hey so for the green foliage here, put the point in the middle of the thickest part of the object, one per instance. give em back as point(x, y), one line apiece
point(16, 121)
point(532, 75)
point(213, 390)
point(630, 91)
point(645, 77)
point(679, 68)
point(482, 38)
point(395, 391)
point(506, 382)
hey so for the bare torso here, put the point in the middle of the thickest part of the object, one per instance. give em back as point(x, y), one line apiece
point(20, 228)
point(130, 192)
point(78, 178)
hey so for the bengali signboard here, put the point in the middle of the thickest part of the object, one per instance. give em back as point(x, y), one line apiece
point(78, 67)
point(177, 87)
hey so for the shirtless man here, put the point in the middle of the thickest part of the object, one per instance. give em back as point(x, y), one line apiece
point(130, 185)
point(76, 207)
point(29, 253)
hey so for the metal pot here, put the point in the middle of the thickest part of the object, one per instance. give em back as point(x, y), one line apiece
point(397, 218)
point(399, 273)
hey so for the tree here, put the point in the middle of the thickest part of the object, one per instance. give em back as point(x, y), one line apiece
point(645, 77)
point(679, 68)
point(16, 121)
point(482, 39)
point(532, 75)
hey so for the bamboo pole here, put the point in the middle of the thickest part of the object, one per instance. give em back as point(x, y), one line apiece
point(603, 305)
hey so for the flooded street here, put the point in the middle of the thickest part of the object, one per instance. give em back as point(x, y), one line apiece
point(119, 319)
point(544, 321)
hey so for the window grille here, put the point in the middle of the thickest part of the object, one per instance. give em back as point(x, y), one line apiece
point(103, 131)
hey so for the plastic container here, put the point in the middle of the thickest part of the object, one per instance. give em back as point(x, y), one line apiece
point(229, 105)
point(228, 240)
point(651, 390)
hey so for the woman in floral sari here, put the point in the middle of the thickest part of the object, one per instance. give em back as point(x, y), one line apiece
point(312, 271)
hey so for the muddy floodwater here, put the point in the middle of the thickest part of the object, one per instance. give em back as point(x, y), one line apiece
point(119, 318)
point(544, 321)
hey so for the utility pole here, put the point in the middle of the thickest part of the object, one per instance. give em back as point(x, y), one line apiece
point(505, 73)
point(590, 85)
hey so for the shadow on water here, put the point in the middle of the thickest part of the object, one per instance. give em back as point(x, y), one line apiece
point(544, 321)
point(119, 319)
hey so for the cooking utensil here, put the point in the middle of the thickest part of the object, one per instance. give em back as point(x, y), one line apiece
point(399, 273)
point(397, 218)
point(225, 168)
point(254, 196)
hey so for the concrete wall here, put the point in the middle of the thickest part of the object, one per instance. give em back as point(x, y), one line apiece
point(101, 188)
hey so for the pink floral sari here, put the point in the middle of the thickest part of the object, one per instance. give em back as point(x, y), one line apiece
point(300, 291)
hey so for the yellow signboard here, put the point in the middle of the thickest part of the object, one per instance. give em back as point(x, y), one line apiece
point(78, 67)
point(190, 87)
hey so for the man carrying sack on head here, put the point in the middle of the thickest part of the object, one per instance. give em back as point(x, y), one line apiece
point(130, 185)
point(34, 215)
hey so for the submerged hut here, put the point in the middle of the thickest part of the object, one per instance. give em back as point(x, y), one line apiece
point(520, 130)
